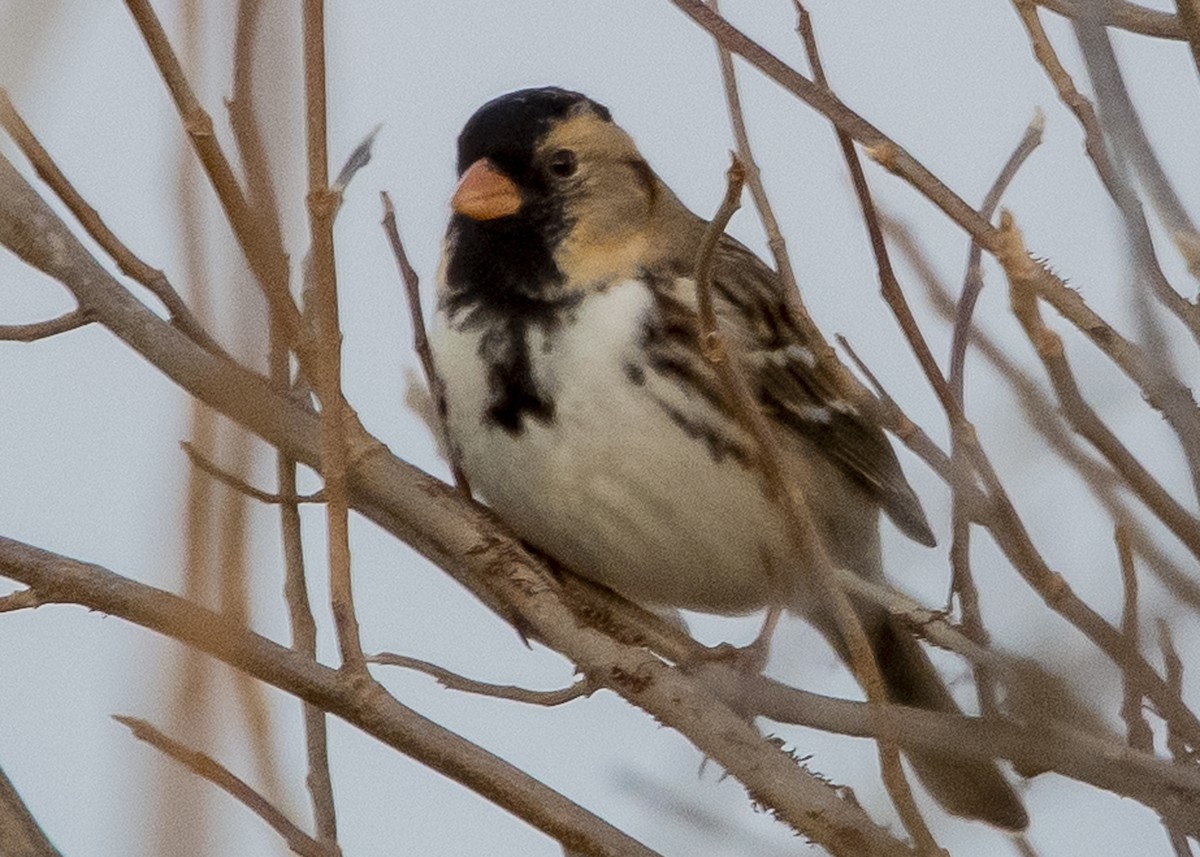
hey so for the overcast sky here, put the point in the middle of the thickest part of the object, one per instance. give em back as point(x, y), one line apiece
point(89, 458)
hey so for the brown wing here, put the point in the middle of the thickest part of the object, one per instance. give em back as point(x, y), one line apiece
point(798, 393)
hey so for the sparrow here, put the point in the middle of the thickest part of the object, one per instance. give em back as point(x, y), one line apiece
point(584, 413)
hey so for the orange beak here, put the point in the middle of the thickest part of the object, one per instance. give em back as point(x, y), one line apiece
point(485, 193)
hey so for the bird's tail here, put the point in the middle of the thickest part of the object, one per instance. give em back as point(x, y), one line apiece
point(968, 788)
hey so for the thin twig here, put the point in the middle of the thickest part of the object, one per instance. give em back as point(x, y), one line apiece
point(1132, 147)
point(201, 462)
point(1122, 15)
point(1136, 729)
point(973, 281)
point(322, 204)
point(244, 121)
point(1187, 12)
point(22, 599)
point(437, 388)
point(205, 766)
point(23, 836)
point(800, 525)
point(454, 681)
point(265, 257)
point(1013, 538)
point(1177, 747)
point(1083, 418)
point(36, 330)
point(898, 786)
point(151, 278)
point(1042, 415)
point(962, 582)
point(758, 192)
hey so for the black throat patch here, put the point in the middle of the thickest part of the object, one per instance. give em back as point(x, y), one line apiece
point(501, 279)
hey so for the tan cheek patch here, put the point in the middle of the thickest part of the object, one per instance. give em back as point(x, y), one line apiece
point(608, 207)
point(593, 261)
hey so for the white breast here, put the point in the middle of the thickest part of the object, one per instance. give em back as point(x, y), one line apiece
point(613, 487)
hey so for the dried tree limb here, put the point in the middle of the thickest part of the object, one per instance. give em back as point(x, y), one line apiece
point(758, 192)
point(1019, 267)
point(1171, 398)
point(1173, 789)
point(22, 599)
point(1042, 416)
point(152, 279)
point(1122, 15)
point(208, 768)
point(266, 258)
point(1124, 127)
point(1083, 418)
point(454, 681)
point(1179, 751)
point(263, 202)
point(1136, 729)
point(1187, 12)
point(322, 205)
point(412, 291)
point(241, 485)
point(366, 706)
point(962, 582)
point(973, 281)
point(33, 331)
point(19, 831)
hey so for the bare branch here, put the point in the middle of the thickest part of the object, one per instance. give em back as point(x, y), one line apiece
point(1187, 12)
point(19, 831)
point(454, 681)
point(973, 282)
point(796, 512)
point(758, 192)
point(151, 278)
point(1042, 415)
point(1122, 15)
point(36, 330)
point(1082, 417)
point(1137, 730)
point(240, 485)
point(205, 766)
point(22, 599)
point(322, 204)
point(1163, 392)
point(412, 291)
point(265, 257)
point(1178, 748)
point(263, 201)
point(366, 706)
point(1132, 147)
point(1014, 539)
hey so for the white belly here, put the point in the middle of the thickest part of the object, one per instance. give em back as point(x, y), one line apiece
point(613, 487)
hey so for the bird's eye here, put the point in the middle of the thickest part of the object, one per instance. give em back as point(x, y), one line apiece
point(563, 163)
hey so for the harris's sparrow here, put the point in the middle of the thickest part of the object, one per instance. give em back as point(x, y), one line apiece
point(586, 415)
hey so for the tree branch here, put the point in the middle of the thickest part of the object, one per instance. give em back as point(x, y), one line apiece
point(208, 768)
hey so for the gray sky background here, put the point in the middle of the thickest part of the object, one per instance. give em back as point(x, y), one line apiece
point(89, 458)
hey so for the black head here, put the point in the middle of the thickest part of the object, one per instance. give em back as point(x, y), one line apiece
point(506, 264)
point(507, 129)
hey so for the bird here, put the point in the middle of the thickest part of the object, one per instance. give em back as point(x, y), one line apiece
point(582, 409)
